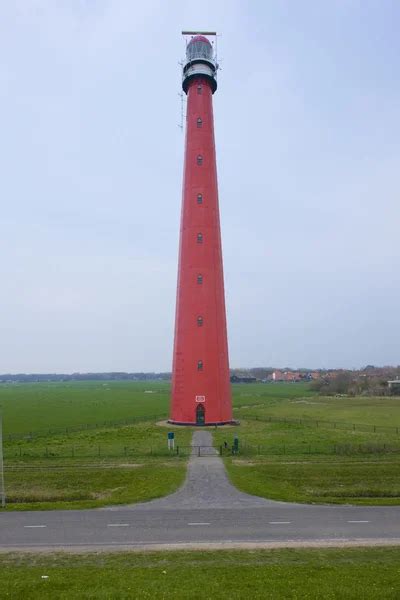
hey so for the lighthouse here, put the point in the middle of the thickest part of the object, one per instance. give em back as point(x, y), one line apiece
point(200, 374)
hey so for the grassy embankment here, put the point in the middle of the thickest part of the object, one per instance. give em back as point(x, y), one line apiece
point(326, 456)
point(63, 468)
point(59, 467)
point(328, 574)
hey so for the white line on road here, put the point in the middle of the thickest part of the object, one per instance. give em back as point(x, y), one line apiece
point(198, 523)
point(358, 521)
point(34, 526)
point(279, 522)
point(117, 524)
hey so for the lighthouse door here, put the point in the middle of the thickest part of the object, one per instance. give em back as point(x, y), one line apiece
point(200, 415)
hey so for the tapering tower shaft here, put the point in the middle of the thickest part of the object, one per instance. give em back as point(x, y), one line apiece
point(200, 379)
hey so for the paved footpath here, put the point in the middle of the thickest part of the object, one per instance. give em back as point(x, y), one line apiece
point(206, 512)
point(207, 485)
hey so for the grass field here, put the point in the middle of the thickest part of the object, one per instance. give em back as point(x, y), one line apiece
point(338, 450)
point(88, 469)
point(328, 574)
point(40, 407)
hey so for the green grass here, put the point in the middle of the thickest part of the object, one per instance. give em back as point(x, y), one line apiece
point(328, 574)
point(93, 468)
point(39, 406)
point(140, 440)
point(77, 486)
point(285, 461)
point(252, 394)
point(304, 462)
point(339, 482)
point(298, 402)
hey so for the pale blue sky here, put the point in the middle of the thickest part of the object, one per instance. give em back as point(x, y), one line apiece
point(307, 128)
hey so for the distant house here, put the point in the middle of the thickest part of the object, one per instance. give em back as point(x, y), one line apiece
point(394, 387)
point(291, 376)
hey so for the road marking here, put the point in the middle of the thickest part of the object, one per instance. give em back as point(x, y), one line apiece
point(117, 524)
point(279, 522)
point(358, 521)
point(33, 526)
point(198, 523)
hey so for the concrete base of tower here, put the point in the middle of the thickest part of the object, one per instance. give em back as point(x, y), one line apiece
point(213, 424)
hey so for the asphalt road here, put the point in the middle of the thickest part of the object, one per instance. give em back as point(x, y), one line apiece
point(207, 510)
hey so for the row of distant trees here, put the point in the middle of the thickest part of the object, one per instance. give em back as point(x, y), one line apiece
point(112, 376)
point(259, 373)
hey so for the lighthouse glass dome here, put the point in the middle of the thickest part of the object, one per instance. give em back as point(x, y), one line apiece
point(199, 48)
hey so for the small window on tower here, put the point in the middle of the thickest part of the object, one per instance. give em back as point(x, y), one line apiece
point(199, 365)
point(199, 89)
point(199, 198)
point(199, 159)
point(199, 122)
point(199, 279)
point(199, 238)
point(200, 321)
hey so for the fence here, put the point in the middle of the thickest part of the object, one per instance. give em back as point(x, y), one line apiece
point(48, 453)
point(88, 451)
point(311, 449)
point(324, 423)
point(10, 437)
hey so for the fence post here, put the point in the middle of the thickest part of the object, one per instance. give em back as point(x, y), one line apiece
point(177, 450)
point(198, 450)
point(99, 450)
point(220, 450)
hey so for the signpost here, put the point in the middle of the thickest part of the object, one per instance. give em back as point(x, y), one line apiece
point(171, 440)
point(2, 488)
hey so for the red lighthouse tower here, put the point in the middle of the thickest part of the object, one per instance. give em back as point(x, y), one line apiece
point(200, 380)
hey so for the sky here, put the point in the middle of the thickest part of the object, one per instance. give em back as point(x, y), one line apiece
point(307, 121)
